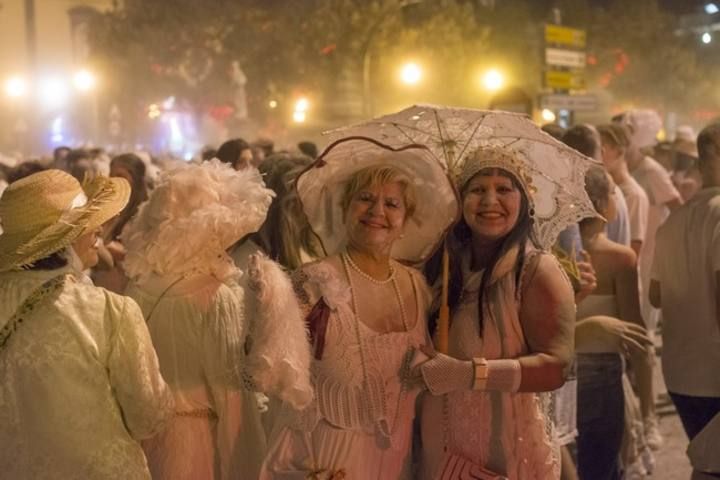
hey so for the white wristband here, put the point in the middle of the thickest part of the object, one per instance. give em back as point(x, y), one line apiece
point(502, 375)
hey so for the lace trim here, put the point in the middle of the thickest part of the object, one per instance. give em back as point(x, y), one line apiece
point(351, 404)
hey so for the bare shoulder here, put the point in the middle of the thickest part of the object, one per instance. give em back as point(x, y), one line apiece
point(545, 277)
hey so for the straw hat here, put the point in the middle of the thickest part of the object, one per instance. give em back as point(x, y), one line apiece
point(47, 211)
point(321, 188)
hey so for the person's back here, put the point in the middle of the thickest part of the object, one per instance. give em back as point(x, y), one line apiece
point(686, 261)
point(76, 396)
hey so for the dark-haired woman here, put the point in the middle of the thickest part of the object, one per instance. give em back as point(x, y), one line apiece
point(109, 273)
point(511, 334)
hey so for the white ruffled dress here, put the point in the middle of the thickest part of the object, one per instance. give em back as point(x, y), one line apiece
point(361, 432)
point(218, 341)
point(507, 433)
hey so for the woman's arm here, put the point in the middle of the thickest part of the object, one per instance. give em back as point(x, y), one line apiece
point(547, 315)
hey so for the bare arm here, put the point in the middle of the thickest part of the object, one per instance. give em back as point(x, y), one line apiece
point(547, 315)
point(627, 294)
point(654, 293)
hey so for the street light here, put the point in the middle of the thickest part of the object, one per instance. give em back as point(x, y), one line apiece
point(547, 115)
point(706, 38)
point(493, 80)
point(366, 60)
point(15, 87)
point(411, 73)
point(84, 80)
point(53, 92)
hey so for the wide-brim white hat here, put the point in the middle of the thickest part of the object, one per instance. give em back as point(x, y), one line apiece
point(322, 185)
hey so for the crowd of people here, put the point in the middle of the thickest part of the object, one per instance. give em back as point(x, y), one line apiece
point(262, 314)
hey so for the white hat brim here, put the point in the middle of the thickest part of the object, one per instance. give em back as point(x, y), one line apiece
point(322, 186)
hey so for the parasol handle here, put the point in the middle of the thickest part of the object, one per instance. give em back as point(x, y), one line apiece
point(443, 325)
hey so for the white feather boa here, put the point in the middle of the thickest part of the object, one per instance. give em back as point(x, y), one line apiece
point(279, 359)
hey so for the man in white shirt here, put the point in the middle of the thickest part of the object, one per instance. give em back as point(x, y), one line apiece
point(662, 195)
point(686, 285)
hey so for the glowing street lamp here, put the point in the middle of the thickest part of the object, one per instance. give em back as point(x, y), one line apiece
point(84, 80)
point(15, 87)
point(411, 73)
point(493, 80)
point(706, 38)
point(299, 117)
point(547, 115)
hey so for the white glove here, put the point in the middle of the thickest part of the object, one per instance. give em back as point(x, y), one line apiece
point(443, 374)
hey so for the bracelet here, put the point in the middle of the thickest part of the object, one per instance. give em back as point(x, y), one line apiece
point(480, 373)
point(501, 375)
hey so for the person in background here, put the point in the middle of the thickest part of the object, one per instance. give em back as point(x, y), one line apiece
point(109, 273)
point(220, 334)
point(686, 286)
point(610, 325)
point(615, 142)
point(60, 157)
point(80, 384)
point(236, 152)
point(308, 148)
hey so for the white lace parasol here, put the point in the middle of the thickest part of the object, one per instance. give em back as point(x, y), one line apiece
point(452, 134)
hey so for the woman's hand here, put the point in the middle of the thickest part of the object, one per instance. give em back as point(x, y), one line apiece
point(444, 374)
point(607, 334)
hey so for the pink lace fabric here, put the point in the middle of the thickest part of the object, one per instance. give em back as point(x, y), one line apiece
point(505, 432)
point(364, 431)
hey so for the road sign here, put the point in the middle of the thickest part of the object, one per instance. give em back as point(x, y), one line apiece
point(564, 58)
point(572, 37)
point(560, 80)
point(577, 103)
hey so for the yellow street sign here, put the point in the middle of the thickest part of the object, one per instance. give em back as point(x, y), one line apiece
point(564, 36)
point(560, 80)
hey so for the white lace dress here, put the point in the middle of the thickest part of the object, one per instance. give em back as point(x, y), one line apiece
point(79, 383)
point(505, 432)
point(363, 432)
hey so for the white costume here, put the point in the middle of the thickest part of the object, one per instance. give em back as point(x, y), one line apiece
point(220, 333)
point(79, 384)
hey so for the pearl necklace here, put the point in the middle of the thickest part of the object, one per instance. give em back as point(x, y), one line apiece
point(369, 278)
point(405, 368)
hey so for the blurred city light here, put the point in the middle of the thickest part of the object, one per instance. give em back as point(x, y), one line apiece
point(153, 111)
point(706, 38)
point(711, 8)
point(548, 115)
point(15, 87)
point(493, 80)
point(273, 104)
point(299, 116)
point(53, 92)
point(302, 105)
point(84, 80)
point(411, 73)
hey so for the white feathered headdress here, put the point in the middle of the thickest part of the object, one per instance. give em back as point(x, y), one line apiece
point(192, 216)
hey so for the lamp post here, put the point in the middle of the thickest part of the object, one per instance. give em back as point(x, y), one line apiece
point(367, 98)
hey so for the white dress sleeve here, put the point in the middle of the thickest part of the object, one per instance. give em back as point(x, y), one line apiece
point(143, 396)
